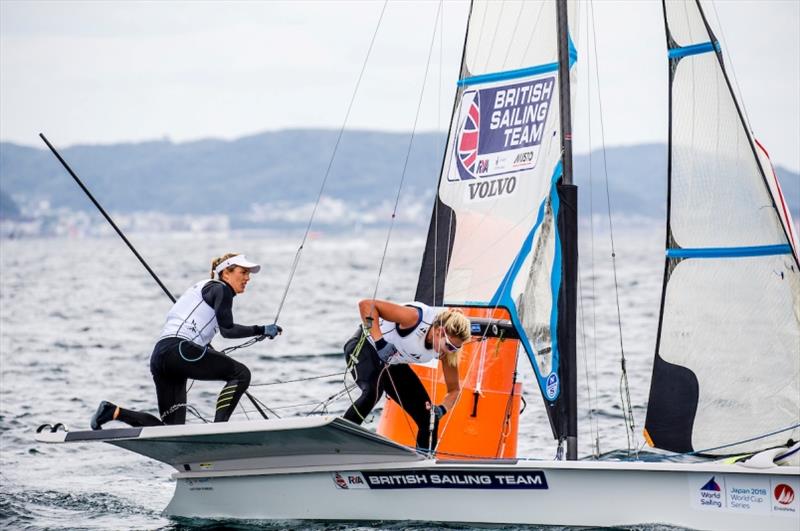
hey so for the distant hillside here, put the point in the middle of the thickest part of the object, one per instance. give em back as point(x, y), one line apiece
point(273, 177)
point(8, 208)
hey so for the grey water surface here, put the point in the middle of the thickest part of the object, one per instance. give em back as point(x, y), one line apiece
point(78, 319)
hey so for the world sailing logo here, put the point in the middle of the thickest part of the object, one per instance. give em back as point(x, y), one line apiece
point(711, 485)
point(499, 135)
point(711, 494)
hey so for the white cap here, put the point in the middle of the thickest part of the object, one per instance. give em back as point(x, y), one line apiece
point(239, 260)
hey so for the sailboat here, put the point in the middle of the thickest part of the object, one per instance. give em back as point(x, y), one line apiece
point(502, 245)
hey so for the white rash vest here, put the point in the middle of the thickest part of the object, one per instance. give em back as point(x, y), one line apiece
point(191, 317)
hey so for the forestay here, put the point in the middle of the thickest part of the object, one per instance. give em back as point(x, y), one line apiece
point(727, 363)
point(493, 240)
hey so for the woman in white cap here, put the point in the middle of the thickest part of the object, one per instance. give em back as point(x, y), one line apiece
point(183, 350)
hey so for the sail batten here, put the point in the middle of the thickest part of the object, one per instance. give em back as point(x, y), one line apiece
point(730, 252)
point(693, 49)
point(508, 74)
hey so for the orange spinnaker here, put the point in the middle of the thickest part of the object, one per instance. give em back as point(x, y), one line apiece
point(484, 423)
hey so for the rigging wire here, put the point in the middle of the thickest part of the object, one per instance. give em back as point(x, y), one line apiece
point(295, 380)
point(494, 35)
point(592, 400)
point(296, 261)
point(489, 311)
point(733, 69)
point(408, 155)
point(624, 388)
point(751, 439)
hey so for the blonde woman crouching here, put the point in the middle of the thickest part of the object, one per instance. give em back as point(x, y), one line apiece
point(397, 336)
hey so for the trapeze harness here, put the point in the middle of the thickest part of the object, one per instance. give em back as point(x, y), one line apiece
point(411, 345)
point(184, 351)
point(393, 375)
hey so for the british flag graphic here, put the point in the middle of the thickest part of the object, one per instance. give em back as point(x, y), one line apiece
point(468, 139)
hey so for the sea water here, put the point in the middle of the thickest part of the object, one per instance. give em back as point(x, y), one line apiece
point(79, 317)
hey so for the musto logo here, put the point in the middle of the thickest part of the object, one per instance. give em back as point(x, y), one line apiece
point(784, 494)
point(500, 131)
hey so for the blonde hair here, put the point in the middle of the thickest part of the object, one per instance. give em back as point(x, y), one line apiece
point(217, 261)
point(455, 324)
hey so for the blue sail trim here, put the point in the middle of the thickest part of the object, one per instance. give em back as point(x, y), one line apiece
point(694, 49)
point(502, 296)
point(520, 72)
point(508, 74)
point(730, 252)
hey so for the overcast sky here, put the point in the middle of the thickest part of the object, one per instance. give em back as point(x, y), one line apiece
point(104, 72)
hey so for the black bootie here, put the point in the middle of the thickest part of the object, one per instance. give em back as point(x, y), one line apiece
point(104, 413)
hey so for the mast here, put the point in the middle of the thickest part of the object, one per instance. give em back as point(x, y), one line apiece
point(564, 89)
point(568, 227)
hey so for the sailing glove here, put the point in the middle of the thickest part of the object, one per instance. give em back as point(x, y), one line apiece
point(385, 349)
point(439, 411)
point(272, 330)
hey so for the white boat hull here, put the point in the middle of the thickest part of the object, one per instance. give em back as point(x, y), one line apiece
point(542, 493)
point(325, 468)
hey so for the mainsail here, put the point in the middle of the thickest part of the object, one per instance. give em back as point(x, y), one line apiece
point(494, 239)
point(726, 377)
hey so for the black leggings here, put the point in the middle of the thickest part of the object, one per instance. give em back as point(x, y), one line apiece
point(398, 381)
point(171, 371)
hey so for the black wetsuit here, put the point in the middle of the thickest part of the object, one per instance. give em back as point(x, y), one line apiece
point(398, 381)
point(171, 370)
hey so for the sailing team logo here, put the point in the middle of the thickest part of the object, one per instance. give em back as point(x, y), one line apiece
point(784, 494)
point(498, 135)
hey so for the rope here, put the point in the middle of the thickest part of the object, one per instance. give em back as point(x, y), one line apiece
point(247, 343)
point(751, 439)
point(324, 404)
point(625, 397)
point(296, 261)
point(307, 378)
point(506, 428)
point(352, 365)
point(400, 401)
point(397, 202)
